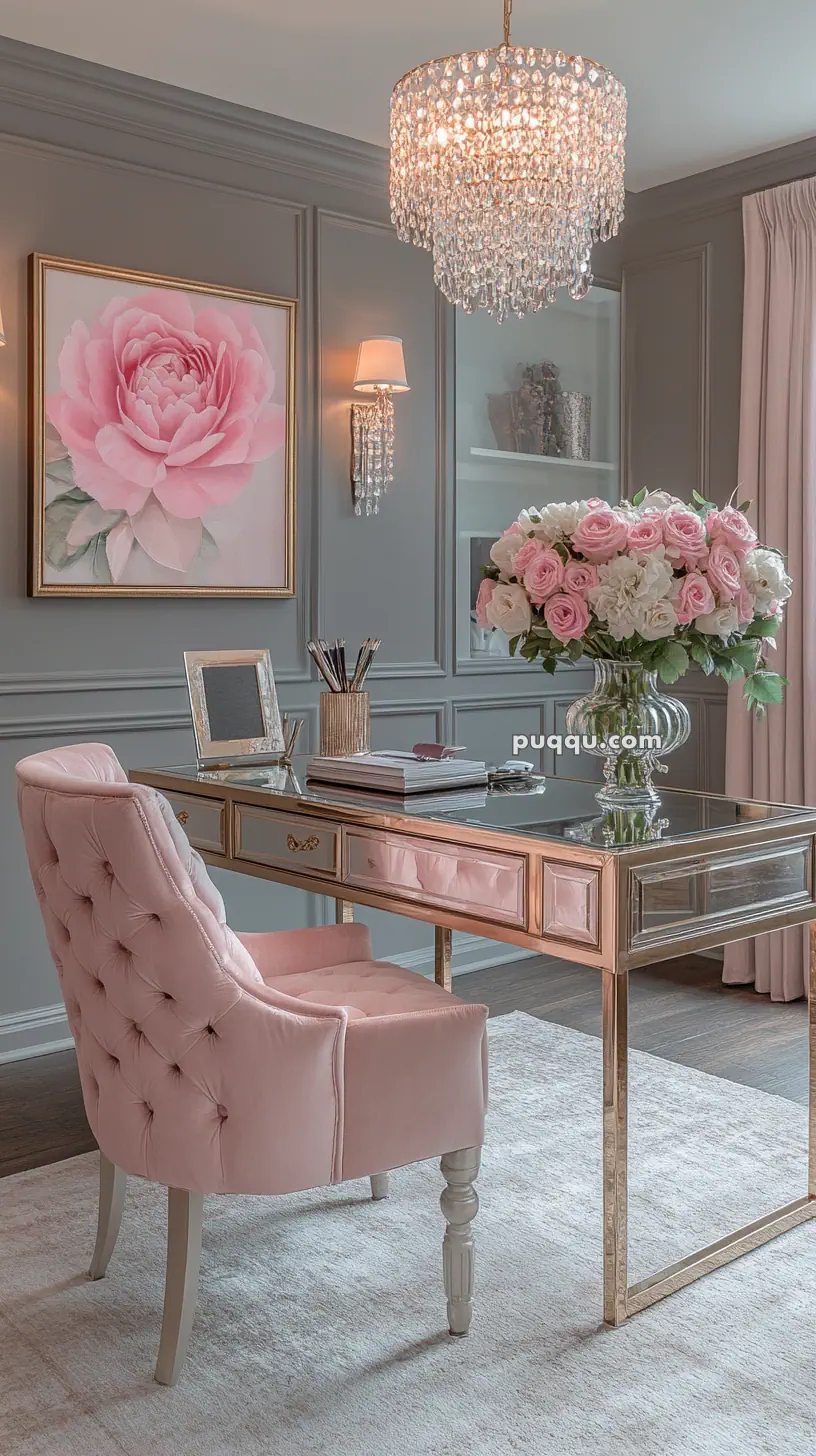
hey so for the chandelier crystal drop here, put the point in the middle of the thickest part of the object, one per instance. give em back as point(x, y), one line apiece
point(508, 165)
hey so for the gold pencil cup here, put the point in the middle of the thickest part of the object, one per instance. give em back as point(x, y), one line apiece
point(345, 724)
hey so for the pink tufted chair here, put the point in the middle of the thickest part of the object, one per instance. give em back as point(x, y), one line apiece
point(220, 1063)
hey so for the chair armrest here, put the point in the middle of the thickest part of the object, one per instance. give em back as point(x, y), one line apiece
point(307, 950)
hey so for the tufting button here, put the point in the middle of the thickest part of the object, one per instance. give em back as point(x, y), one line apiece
point(167, 996)
point(211, 1030)
point(176, 1068)
point(148, 1109)
point(222, 1111)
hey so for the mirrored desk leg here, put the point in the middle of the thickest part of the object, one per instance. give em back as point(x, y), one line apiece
point(812, 1064)
point(343, 912)
point(615, 1057)
point(443, 951)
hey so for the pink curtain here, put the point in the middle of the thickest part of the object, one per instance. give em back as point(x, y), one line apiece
point(775, 757)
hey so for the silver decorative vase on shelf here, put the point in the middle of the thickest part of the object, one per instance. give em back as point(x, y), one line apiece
point(574, 424)
point(628, 722)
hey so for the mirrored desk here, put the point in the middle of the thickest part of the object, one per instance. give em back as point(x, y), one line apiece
point(544, 868)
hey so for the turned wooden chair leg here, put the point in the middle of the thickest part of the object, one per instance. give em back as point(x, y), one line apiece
point(379, 1185)
point(112, 1186)
point(460, 1204)
point(185, 1212)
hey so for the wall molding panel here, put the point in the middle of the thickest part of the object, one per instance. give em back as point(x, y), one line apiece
point(32, 1033)
point(666, 431)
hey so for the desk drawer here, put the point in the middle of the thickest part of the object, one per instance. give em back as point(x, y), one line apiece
point(481, 882)
point(295, 843)
point(201, 819)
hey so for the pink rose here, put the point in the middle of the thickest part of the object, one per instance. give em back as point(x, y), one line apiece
point(595, 503)
point(486, 590)
point(165, 409)
point(523, 558)
point(600, 535)
point(692, 597)
point(731, 528)
point(744, 604)
point(723, 571)
point(544, 575)
point(580, 577)
point(566, 615)
point(684, 536)
point(646, 534)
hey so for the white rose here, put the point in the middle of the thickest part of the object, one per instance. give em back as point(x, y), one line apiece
point(658, 500)
point(621, 621)
point(655, 619)
point(656, 576)
point(503, 552)
point(559, 520)
point(766, 577)
point(509, 609)
point(720, 623)
point(529, 519)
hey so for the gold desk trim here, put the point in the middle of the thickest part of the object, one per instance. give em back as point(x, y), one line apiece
point(613, 959)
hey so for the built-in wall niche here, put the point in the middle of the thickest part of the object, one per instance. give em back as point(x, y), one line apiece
point(519, 446)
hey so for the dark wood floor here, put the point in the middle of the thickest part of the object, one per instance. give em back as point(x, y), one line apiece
point(680, 1010)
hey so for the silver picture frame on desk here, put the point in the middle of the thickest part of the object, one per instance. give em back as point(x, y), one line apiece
point(234, 706)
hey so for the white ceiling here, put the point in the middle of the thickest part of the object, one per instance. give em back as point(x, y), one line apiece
point(708, 80)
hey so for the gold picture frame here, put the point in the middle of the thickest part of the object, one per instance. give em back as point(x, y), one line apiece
point(244, 699)
point(87, 486)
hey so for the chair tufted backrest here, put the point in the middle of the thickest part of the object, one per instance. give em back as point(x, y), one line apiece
point(194, 1072)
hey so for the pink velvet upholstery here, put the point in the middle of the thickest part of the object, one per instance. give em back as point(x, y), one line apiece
point(224, 1063)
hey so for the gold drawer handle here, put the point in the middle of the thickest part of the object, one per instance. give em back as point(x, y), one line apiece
point(182, 815)
point(302, 846)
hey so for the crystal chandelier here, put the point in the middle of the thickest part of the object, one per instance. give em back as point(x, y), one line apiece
point(507, 164)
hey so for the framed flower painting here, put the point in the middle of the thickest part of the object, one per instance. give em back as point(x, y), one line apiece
point(162, 436)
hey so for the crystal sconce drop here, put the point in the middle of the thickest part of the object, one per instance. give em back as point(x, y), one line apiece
point(380, 371)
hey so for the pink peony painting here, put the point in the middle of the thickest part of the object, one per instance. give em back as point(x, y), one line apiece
point(163, 436)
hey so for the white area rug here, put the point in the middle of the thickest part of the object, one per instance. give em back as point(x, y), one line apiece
point(320, 1326)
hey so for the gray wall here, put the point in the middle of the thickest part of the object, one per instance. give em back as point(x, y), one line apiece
point(100, 166)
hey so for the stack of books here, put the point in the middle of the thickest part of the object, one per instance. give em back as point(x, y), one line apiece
point(396, 772)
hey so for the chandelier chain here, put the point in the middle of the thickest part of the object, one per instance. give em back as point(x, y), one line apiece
point(508, 7)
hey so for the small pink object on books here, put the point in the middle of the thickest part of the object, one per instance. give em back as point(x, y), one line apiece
point(435, 750)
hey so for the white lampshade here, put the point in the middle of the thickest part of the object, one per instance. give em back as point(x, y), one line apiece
point(380, 365)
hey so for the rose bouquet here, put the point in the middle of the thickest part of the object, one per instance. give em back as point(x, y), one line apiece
point(655, 582)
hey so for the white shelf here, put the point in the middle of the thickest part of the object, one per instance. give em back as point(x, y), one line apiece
point(558, 462)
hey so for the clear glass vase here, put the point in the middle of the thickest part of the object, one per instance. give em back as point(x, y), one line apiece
point(629, 723)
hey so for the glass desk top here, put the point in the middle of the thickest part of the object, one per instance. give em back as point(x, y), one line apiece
point(544, 808)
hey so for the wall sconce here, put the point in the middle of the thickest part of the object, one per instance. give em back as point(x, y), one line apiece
point(380, 371)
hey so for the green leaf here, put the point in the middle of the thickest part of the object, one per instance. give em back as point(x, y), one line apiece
point(702, 656)
point(672, 662)
point(764, 687)
point(529, 650)
point(549, 664)
point(746, 654)
point(724, 666)
point(61, 472)
point(763, 627)
point(745, 507)
point(514, 642)
point(59, 518)
point(640, 497)
point(575, 651)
